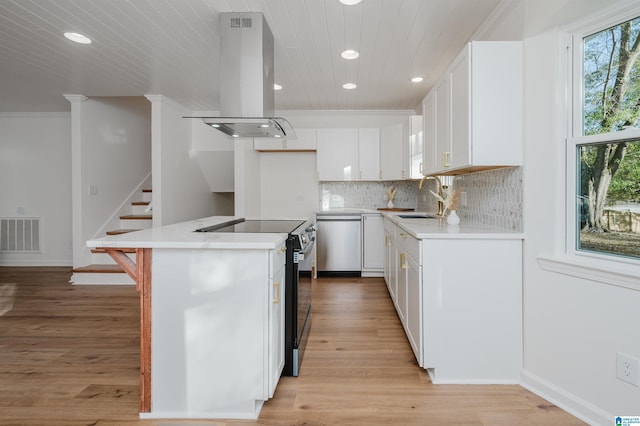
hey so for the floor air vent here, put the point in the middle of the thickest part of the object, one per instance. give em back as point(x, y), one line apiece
point(20, 235)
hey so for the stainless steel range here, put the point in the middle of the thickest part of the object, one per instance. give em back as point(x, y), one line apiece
point(298, 275)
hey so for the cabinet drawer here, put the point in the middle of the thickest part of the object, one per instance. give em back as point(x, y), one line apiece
point(408, 244)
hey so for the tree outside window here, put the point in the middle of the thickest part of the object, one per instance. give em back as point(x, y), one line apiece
point(608, 180)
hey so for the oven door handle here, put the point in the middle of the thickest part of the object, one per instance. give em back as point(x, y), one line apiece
point(299, 255)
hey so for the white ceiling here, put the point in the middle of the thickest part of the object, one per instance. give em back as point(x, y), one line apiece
point(171, 47)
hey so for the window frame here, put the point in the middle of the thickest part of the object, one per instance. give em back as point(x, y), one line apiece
point(600, 267)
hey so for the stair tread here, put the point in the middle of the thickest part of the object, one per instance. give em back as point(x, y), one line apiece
point(140, 203)
point(120, 231)
point(137, 217)
point(101, 250)
point(99, 269)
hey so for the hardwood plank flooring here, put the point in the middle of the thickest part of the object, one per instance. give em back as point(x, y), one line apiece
point(69, 355)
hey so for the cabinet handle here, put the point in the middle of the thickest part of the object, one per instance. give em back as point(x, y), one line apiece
point(387, 241)
point(276, 291)
point(403, 235)
point(445, 159)
point(282, 249)
point(420, 167)
point(403, 261)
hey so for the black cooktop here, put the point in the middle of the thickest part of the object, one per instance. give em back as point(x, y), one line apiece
point(255, 226)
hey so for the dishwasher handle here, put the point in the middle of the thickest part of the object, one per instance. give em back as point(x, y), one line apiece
point(351, 218)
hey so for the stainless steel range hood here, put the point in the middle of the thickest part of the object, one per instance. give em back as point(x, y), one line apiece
point(246, 79)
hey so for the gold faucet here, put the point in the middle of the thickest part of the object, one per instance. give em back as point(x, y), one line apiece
point(437, 179)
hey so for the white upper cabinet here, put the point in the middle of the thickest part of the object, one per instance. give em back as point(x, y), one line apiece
point(429, 133)
point(412, 147)
point(305, 140)
point(348, 154)
point(476, 121)
point(369, 154)
point(391, 153)
point(338, 154)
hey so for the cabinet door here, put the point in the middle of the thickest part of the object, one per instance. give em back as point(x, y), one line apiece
point(415, 147)
point(403, 277)
point(391, 152)
point(429, 133)
point(460, 111)
point(413, 315)
point(372, 242)
point(369, 154)
point(337, 154)
point(443, 125)
point(306, 140)
point(276, 329)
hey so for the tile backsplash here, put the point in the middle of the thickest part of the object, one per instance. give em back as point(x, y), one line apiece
point(494, 197)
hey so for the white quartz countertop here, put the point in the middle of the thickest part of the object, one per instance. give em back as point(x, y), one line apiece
point(182, 235)
point(439, 229)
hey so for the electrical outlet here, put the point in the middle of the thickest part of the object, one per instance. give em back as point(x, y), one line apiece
point(627, 369)
point(93, 190)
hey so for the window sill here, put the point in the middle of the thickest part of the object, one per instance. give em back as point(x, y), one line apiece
point(626, 276)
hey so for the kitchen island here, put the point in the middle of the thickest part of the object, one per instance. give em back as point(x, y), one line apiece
point(458, 293)
point(212, 325)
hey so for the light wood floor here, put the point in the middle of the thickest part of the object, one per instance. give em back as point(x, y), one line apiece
point(69, 356)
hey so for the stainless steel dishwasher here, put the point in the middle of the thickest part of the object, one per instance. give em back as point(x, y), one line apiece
point(339, 244)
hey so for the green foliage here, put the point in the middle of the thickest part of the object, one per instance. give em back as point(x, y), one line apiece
point(625, 185)
point(608, 104)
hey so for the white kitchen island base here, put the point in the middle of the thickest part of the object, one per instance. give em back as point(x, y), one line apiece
point(212, 318)
point(210, 333)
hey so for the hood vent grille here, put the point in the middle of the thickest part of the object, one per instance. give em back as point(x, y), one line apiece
point(241, 22)
point(246, 79)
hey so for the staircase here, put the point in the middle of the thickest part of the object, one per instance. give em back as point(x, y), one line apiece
point(103, 269)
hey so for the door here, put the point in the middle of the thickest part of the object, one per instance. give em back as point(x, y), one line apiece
point(372, 242)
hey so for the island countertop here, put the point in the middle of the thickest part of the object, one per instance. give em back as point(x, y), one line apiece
point(183, 235)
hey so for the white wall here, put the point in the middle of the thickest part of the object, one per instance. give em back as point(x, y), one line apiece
point(573, 327)
point(35, 181)
point(111, 153)
point(288, 184)
point(180, 190)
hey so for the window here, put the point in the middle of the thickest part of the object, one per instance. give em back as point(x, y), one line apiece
point(604, 220)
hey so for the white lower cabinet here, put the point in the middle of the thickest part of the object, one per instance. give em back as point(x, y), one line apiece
point(460, 303)
point(372, 245)
point(217, 331)
point(410, 289)
point(276, 317)
point(390, 261)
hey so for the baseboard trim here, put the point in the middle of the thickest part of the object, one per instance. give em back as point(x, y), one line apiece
point(569, 402)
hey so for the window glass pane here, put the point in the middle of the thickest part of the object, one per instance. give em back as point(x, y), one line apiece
point(608, 198)
point(611, 79)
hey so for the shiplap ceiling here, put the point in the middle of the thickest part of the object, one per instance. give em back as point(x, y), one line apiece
point(171, 48)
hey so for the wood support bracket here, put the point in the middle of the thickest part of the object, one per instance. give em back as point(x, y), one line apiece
point(140, 272)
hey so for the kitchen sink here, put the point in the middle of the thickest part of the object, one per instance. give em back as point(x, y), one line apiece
point(417, 216)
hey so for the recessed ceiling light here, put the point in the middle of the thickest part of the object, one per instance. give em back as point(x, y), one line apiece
point(235, 136)
point(276, 86)
point(350, 54)
point(416, 79)
point(349, 86)
point(78, 38)
point(350, 2)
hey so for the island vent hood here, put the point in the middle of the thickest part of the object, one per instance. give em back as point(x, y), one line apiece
point(246, 79)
